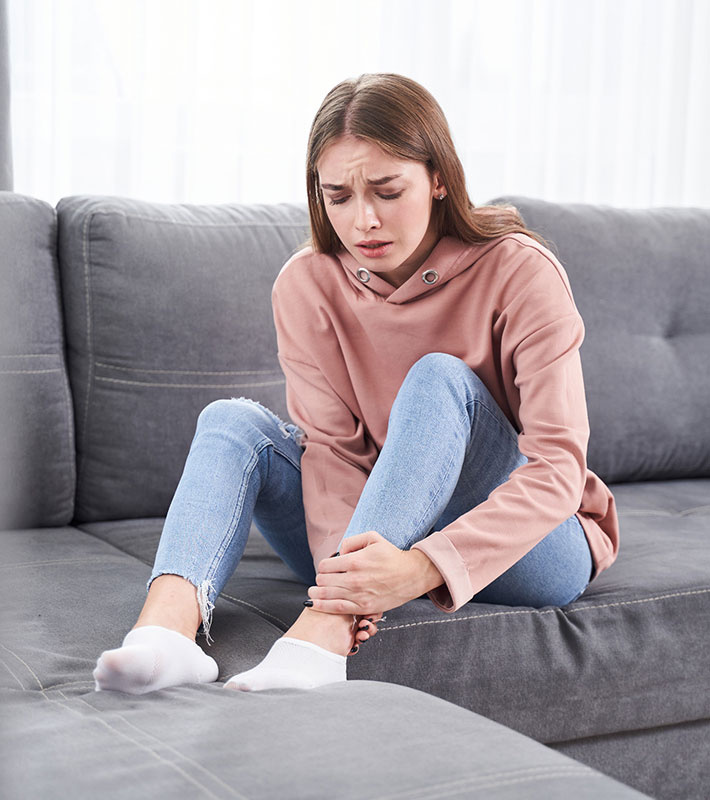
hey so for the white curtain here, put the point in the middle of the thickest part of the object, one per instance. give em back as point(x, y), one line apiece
point(5, 131)
point(600, 101)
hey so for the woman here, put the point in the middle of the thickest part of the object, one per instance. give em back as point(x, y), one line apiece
point(431, 355)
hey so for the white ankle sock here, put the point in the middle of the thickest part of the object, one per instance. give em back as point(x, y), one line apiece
point(152, 657)
point(291, 664)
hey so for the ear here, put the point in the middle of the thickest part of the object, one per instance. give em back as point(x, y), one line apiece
point(438, 186)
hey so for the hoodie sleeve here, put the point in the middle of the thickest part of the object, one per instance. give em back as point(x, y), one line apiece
point(339, 454)
point(540, 331)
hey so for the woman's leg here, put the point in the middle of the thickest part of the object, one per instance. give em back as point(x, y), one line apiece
point(448, 446)
point(243, 463)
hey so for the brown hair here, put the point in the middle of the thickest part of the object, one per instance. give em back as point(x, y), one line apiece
point(404, 119)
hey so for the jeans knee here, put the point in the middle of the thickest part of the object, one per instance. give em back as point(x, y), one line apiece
point(432, 365)
point(229, 412)
point(216, 411)
point(443, 369)
point(244, 412)
point(435, 362)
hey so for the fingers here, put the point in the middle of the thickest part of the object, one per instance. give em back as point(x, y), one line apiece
point(366, 630)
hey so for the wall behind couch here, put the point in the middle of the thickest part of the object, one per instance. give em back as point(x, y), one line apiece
point(191, 101)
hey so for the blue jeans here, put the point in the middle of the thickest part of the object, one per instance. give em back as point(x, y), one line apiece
point(448, 446)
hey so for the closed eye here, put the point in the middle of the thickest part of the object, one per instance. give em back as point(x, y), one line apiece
point(383, 196)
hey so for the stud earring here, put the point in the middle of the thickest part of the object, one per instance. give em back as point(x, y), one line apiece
point(441, 196)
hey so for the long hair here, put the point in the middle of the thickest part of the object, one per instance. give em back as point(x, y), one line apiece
point(405, 120)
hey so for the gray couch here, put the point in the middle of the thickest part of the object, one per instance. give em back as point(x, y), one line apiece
point(121, 320)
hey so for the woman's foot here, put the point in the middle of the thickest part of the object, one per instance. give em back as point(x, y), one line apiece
point(150, 658)
point(312, 653)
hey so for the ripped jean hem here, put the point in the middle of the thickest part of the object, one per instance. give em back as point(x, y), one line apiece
point(205, 591)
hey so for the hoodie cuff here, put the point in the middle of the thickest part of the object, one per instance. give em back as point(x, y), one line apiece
point(456, 590)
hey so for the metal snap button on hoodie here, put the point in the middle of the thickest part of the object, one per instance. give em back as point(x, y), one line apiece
point(363, 274)
point(430, 280)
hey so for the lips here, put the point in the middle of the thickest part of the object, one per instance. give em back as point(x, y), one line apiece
point(373, 248)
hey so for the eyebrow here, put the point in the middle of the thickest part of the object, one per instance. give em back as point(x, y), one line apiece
point(374, 182)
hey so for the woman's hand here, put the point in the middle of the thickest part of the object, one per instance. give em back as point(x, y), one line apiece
point(365, 627)
point(368, 578)
point(362, 629)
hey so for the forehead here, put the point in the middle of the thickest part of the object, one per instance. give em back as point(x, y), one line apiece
point(349, 153)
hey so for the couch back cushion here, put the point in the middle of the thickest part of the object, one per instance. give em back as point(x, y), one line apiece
point(641, 281)
point(37, 467)
point(168, 307)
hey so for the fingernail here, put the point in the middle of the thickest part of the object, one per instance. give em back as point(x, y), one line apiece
point(363, 628)
point(372, 619)
point(355, 649)
point(335, 554)
point(308, 603)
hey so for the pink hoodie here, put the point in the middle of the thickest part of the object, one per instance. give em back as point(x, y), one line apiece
point(504, 307)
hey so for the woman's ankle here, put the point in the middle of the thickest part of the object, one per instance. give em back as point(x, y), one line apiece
point(171, 603)
point(334, 632)
point(185, 630)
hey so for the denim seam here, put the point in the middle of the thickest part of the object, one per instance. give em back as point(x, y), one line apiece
point(285, 455)
point(465, 422)
point(226, 541)
point(494, 416)
point(229, 534)
point(431, 503)
point(206, 595)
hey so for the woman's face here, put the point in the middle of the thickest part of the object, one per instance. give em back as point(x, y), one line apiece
point(372, 197)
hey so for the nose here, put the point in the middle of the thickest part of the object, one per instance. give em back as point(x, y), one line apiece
point(365, 216)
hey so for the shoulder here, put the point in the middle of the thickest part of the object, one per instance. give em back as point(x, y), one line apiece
point(302, 273)
point(520, 259)
point(303, 263)
point(521, 247)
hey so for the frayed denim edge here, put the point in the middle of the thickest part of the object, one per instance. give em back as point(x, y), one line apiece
point(204, 589)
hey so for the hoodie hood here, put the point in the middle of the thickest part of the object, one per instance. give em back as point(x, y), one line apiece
point(445, 261)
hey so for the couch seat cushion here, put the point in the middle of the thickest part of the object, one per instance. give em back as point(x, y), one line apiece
point(630, 654)
point(352, 739)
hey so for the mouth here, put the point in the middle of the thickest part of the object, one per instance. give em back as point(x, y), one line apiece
point(374, 249)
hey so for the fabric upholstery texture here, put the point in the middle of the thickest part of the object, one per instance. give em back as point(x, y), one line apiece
point(640, 282)
point(166, 308)
point(635, 757)
point(37, 463)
